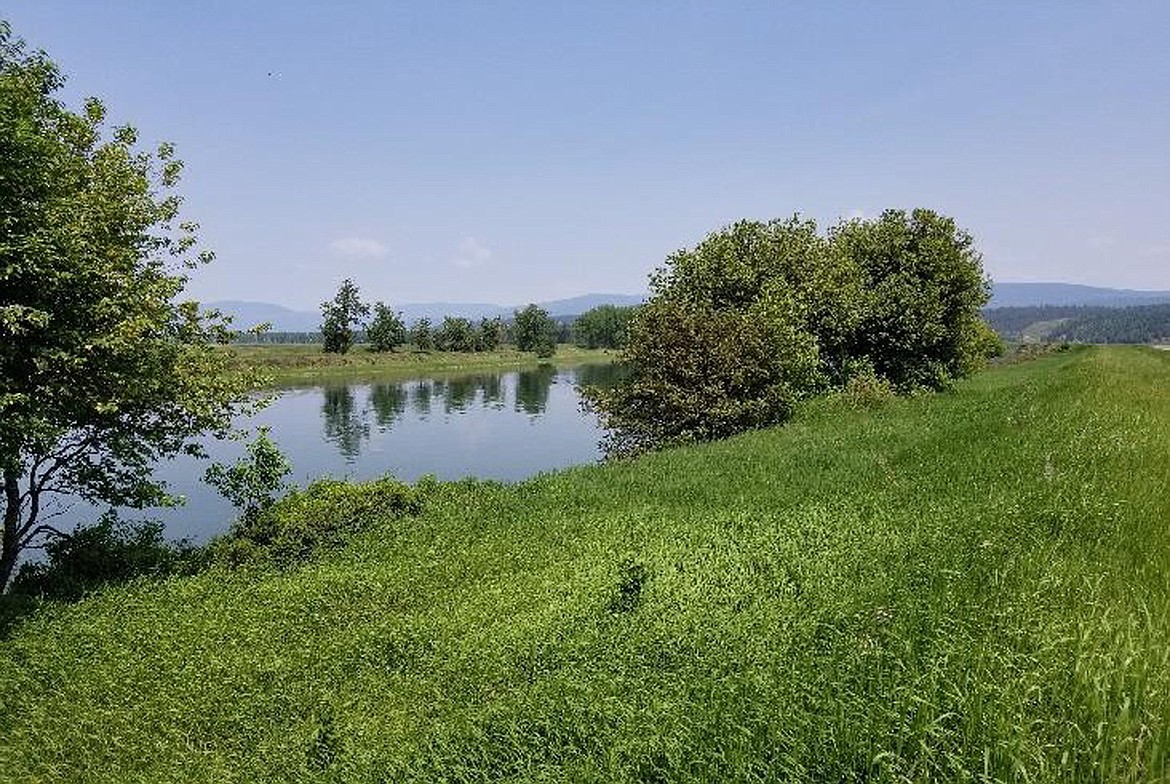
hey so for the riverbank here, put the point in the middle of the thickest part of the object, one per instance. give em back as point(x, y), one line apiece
point(968, 586)
point(307, 363)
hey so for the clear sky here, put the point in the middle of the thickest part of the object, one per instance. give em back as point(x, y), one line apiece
point(506, 152)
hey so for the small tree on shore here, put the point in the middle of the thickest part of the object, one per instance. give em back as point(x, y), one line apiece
point(386, 330)
point(456, 334)
point(535, 331)
point(492, 333)
point(421, 336)
point(341, 316)
point(603, 327)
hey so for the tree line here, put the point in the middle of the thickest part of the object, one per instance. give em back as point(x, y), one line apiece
point(346, 317)
point(1083, 324)
point(347, 321)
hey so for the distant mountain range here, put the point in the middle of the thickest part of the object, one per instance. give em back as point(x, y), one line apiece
point(1006, 295)
point(285, 319)
point(1003, 295)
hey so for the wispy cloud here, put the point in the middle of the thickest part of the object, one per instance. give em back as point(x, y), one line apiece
point(471, 253)
point(358, 248)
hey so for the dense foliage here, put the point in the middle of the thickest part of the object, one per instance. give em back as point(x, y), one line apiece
point(326, 514)
point(534, 330)
point(386, 330)
point(962, 587)
point(602, 327)
point(103, 369)
point(341, 317)
point(110, 551)
point(761, 315)
point(421, 335)
point(492, 333)
point(456, 334)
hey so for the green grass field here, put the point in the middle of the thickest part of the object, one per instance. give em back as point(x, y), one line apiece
point(305, 363)
point(970, 586)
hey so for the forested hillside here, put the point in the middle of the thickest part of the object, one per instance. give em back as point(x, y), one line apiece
point(1139, 324)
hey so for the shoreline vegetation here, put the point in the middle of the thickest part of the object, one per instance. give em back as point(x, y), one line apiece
point(291, 364)
point(968, 585)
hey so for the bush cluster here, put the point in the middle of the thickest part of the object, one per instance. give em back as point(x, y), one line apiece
point(323, 515)
point(760, 315)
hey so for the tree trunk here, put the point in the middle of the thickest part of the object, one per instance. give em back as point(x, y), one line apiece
point(9, 537)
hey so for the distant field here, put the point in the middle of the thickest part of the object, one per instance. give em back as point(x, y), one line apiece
point(970, 586)
point(307, 362)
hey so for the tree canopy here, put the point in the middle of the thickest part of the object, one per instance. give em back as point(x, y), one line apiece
point(386, 330)
point(604, 326)
point(104, 369)
point(534, 330)
point(762, 314)
point(341, 317)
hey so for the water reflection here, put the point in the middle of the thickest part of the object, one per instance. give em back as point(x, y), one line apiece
point(389, 403)
point(532, 388)
point(420, 398)
point(346, 421)
point(506, 426)
point(344, 424)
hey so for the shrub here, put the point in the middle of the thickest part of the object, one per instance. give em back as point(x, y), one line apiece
point(111, 551)
point(701, 373)
point(325, 514)
point(759, 316)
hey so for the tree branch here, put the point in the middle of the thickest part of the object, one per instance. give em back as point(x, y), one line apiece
point(43, 528)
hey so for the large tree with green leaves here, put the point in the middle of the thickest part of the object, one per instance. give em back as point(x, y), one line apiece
point(760, 315)
point(604, 326)
point(341, 317)
point(104, 369)
point(535, 331)
point(386, 330)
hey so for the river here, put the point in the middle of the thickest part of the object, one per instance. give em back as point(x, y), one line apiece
point(493, 425)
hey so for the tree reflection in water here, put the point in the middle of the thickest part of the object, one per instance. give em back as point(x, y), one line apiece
point(532, 387)
point(344, 425)
point(420, 400)
point(388, 404)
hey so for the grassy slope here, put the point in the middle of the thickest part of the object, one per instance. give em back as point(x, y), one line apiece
point(952, 586)
point(307, 363)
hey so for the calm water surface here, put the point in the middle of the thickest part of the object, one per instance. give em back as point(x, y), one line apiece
point(506, 426)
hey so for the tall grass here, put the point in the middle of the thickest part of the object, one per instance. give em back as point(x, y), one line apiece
point(973, 586)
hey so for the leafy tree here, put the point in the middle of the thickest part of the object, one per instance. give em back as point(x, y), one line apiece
point(252, 483)
point(924, 290)
point(420, 335)
point(340, 316)
point(700, 373)
point(535, 331)
point(602, 327)
point(760, 315)
point(456, 334)
point(386, 330)
point(492, 333)
point(103, 370)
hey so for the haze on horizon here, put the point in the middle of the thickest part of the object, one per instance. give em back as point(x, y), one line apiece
point(509, 152)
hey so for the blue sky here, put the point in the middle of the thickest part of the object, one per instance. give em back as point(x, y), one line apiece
point(506, 152)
